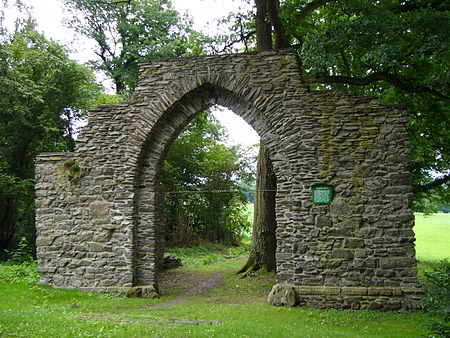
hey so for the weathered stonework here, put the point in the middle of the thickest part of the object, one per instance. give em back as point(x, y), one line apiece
point(99, 219)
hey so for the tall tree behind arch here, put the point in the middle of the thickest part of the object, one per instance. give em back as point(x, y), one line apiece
point(395, 50)
point(264, 243)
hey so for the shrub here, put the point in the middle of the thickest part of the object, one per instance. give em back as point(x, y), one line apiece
point(16, 273)
point(437, 289)
point(23, 252)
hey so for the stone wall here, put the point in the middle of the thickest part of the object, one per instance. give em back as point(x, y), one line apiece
point(98, 209)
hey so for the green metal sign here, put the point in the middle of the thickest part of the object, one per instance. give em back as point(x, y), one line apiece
point(322, 194)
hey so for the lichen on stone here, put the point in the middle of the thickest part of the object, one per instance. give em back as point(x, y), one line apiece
point(74, 171)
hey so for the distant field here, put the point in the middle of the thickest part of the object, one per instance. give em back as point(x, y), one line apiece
point(432, 237)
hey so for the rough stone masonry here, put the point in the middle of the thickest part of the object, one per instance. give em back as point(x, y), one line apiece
point(99, 215)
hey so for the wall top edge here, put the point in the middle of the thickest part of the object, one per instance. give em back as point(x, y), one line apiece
point(48, 157)
point(280, 52)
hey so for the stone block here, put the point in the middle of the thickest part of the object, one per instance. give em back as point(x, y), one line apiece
point(283, 295)
point(323, 221)
point(142, 292)
point(385, 273)
point(351, 223)
point(396, 262)
point(354, 291)
point(353, 243)
point(339, 208)
point(379, 291)
point(317, 290)
point(342, 253)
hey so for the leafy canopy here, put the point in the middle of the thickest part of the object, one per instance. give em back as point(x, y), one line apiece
point(42, 94)
point(395, 50)
point(200, 171)
point(126, 32)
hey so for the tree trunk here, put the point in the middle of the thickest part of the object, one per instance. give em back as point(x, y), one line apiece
point(263, 27)
point(7, 228)
point(281, 40)
point(264, 242)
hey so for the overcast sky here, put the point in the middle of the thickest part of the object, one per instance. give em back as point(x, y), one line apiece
point(49, 15)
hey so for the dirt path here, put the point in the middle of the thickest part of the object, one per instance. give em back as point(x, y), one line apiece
point(189, 284)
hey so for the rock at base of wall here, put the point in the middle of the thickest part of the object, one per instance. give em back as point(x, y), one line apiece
point(282, 295)
point(171, 262)
point(142, 292)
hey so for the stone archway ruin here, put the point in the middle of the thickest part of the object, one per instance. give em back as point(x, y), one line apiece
point(98, 208)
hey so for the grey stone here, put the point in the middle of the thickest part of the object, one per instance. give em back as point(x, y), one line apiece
point(282, 295)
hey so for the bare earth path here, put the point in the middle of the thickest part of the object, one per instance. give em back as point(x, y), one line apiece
point(178, 286)
point(190, 285)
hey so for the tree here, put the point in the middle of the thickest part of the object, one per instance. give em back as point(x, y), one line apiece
point(42, 94)
point(127, 32)
point(393, 49)
point(202, 178)
point(264, 243)
point(396, 50)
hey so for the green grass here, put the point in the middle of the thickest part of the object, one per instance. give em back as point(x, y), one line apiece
point(200, 258)
point(432, 237)
point(236, 308)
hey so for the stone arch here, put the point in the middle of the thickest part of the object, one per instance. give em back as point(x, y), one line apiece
point(177, 116)
point(95, 207)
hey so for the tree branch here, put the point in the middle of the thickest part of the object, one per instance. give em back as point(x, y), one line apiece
point(118, 2)
point(310, 7)
point(380, 76)
point(281, 40)
point(242, 38)
point(412, 6)
point(436, 183)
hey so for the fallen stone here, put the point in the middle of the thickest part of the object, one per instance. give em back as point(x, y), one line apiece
point(283, 295)
point(142, 292)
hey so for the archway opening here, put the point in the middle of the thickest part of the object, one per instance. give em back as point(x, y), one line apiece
point(211, 188)
point(208, 178)
point(225, 192)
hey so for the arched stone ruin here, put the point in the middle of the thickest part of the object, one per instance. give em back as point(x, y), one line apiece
point(99, 208)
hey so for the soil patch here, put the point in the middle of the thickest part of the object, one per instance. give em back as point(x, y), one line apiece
point(188, 285)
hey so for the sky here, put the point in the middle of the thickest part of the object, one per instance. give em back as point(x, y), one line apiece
point(49, 15)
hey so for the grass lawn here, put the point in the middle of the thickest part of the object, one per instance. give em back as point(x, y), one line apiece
point(234, 307)
point(432, 237)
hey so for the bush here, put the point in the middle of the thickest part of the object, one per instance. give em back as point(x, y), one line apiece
point(204, 179)
point(437, 290)
point(23, 252)
point(208, 253)
point(15, 273)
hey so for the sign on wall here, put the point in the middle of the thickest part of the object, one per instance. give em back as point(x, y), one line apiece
point(322, 194)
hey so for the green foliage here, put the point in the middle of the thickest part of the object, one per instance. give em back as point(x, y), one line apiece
point(75, 172)
point(199, 171)
point(108, 99)
point(42, 94)
point(23, 252)
point(437, 288)
point(127, 32)
point(405, 48)
point(208, 254)
point(395, 50)
point(24, 272)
